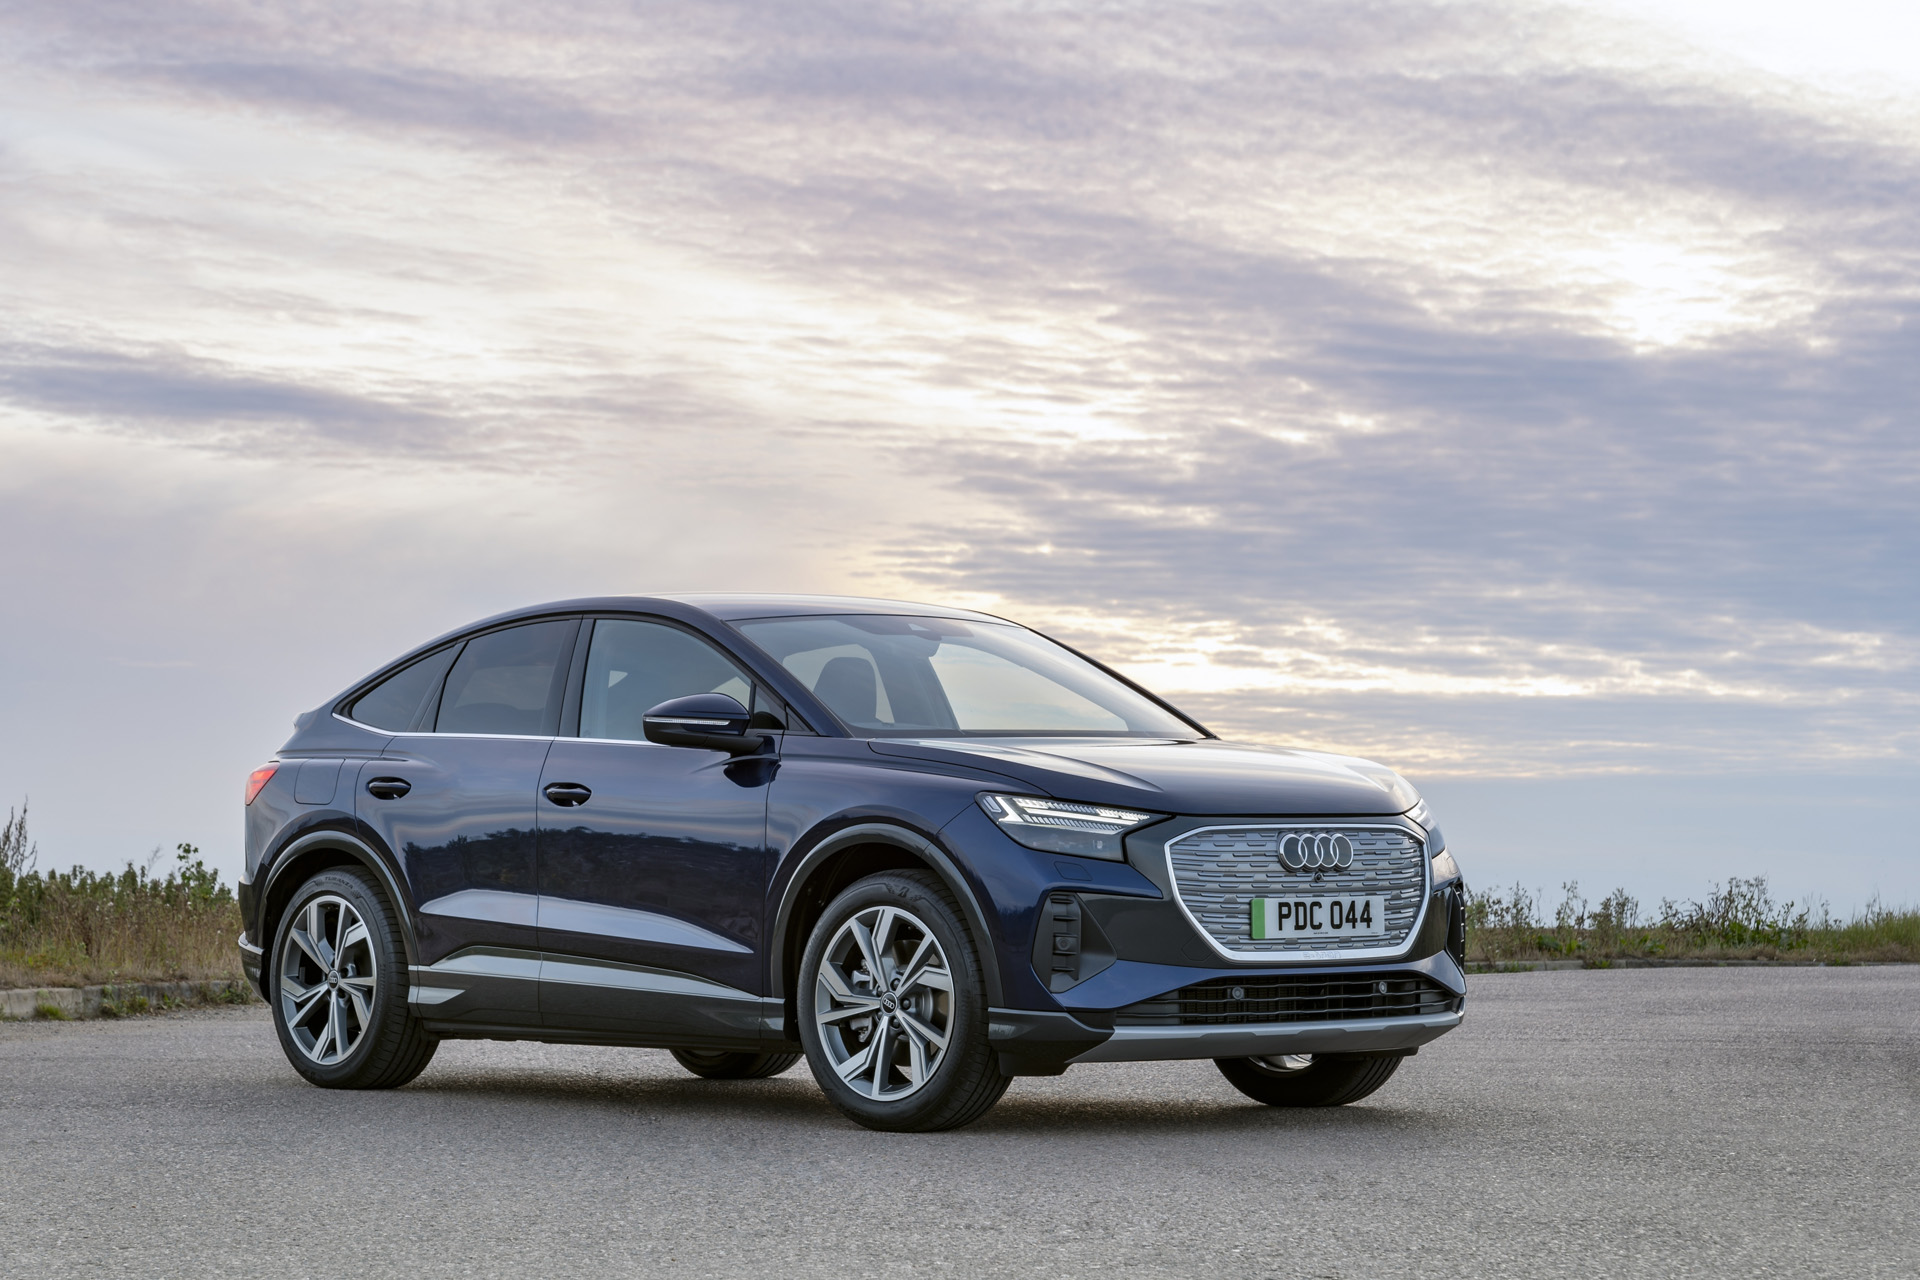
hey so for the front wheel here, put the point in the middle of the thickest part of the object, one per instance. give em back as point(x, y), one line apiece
point(338, 986)
point(1309, 1079)
point(720, 1064)
point(893, 1011)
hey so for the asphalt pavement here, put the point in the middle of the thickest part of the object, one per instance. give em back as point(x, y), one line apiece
point(1692, 1122)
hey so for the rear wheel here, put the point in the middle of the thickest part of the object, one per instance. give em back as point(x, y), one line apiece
point(338, 987)
point(893, 1011)
point(1309, 1079)
point(719, 1064)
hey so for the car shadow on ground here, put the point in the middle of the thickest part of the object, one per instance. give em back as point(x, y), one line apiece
point(795, 1100)
point(1092, 1114)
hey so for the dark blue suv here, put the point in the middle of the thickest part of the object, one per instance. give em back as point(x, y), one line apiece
point(927, 848)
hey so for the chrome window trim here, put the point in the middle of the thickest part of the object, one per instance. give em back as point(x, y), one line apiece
point(397, 734)
point(1403, 824)
point(658, 746)
point(429, 733)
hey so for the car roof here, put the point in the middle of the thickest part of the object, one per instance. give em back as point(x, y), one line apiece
point(728, 606)
point(687, 606)
point(732, 606)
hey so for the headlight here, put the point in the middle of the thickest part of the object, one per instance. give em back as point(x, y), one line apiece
point(1436, 842)
point(1057, 826)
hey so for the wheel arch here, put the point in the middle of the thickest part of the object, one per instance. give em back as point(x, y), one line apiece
point(851, 854)
point(313, 852)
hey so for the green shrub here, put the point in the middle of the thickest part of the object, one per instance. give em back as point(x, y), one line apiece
point(115, 1005)
point(78, 927)
point(1738, 920)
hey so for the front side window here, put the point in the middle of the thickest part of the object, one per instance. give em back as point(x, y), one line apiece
point(635, 666)
point(932, 676)
point(509, 681)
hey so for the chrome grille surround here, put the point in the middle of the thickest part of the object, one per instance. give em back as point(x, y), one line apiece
point(1215, 871)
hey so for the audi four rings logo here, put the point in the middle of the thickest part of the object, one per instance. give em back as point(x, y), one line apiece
point(1315, 852)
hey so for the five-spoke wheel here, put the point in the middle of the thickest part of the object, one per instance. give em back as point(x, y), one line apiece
point(883, 1003)
point(892, 1007)
point(338, 981)
point(327, 979)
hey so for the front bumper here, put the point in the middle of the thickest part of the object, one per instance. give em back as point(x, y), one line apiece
point(1032, 1042)
point(1101, 963)
point(1366, 1035)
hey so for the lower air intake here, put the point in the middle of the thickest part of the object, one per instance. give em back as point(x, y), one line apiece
point(1224, 1001)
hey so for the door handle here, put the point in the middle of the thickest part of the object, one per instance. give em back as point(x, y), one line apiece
point(567, 794)
point(388, 788)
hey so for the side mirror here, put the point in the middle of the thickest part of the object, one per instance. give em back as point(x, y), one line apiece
point(712, 721)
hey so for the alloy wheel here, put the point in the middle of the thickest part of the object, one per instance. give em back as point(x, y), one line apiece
point(327, 979)
point(883, 1003)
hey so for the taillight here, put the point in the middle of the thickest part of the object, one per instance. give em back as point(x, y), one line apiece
point(258, 779)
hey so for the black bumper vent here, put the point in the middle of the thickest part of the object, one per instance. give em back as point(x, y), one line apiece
point(1263, 998)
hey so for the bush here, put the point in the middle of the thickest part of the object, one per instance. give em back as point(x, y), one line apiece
point(1738, 921)
point(79, 927)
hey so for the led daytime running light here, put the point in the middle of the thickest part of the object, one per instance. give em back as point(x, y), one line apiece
point(1062, 826)
point(1063, 814)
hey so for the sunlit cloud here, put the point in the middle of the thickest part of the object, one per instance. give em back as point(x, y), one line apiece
point(1502, 389)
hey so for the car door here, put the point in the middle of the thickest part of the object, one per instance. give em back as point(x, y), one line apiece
point(454, 800)
point(653, 859)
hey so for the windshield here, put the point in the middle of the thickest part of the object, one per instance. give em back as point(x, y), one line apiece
point(884, 674)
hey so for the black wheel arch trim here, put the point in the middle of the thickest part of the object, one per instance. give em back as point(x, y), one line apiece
point(339, 840)
point(924, 847)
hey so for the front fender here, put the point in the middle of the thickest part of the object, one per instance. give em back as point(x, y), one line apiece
point(840, 838)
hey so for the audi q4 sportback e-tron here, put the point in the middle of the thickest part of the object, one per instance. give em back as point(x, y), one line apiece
point(926, 849)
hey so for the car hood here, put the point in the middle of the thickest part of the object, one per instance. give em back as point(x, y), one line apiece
point(1203, 776)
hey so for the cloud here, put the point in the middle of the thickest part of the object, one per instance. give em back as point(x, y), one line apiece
point(1481, 386)
point(410, 96)
point(187, 400)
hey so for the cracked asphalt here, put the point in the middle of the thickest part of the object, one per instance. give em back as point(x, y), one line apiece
point(1690, 1122)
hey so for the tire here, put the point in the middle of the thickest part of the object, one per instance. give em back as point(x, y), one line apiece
point(876, 1048)
point(340, 1027)
point(718, 1064)
point(1311, 1080)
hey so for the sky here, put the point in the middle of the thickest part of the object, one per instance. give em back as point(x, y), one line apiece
point(1520, 394)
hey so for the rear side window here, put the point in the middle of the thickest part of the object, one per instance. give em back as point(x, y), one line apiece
point(633, 667)
point(509, 681)
point(394, 702)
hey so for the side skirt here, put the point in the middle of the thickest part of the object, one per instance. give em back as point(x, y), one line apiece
point(624, 1040)
point(499, 993)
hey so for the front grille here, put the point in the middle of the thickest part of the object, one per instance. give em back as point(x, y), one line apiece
point(1219, 871)
point(1223, 1001)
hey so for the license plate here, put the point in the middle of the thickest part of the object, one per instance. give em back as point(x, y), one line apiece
point(1275, 918)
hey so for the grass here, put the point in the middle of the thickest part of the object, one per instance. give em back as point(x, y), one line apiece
point(79, 927)
point(115, 1005)
point(1737, 921)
